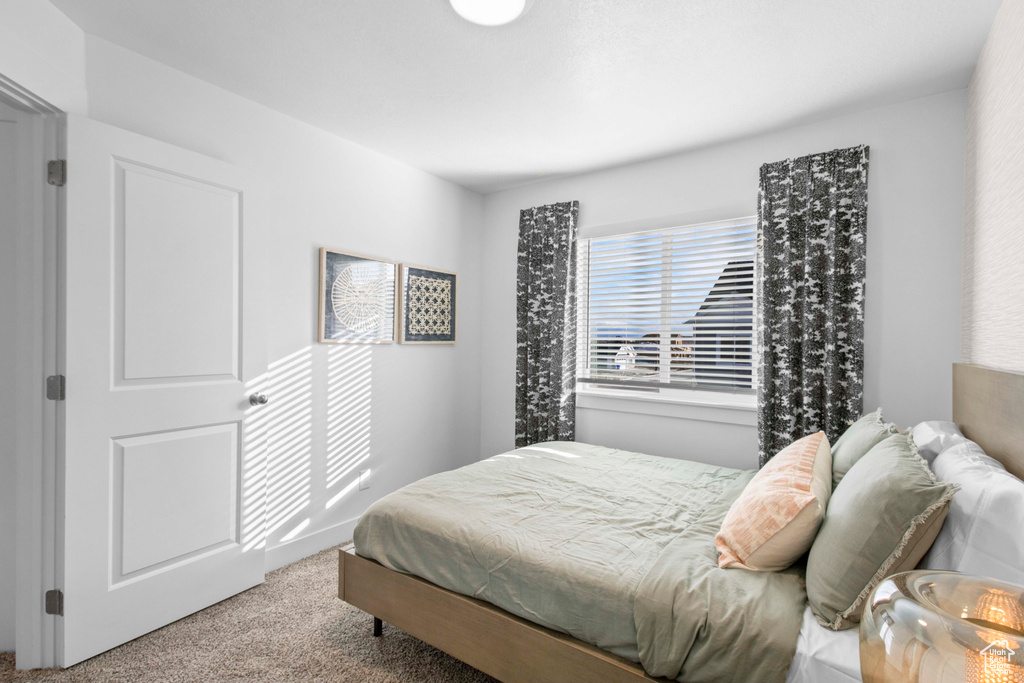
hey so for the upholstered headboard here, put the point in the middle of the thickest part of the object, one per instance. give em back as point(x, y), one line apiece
point(988, 406)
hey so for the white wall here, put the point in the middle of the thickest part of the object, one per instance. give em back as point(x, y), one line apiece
point(320, 190)
point(993, 327)
point(913, 264)
point(41, 50)
point(316, 190)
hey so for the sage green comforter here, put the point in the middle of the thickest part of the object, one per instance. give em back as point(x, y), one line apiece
point(612, 547)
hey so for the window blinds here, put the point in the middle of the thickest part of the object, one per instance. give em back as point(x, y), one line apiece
point(669, 308)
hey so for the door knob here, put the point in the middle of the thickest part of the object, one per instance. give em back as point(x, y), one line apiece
point(258, 399)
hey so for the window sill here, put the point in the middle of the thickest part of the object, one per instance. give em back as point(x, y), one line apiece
point(738, 409)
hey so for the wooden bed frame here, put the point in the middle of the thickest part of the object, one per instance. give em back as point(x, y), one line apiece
point(986, 405)
point(485, 637)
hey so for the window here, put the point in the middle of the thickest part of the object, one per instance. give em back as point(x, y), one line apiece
point(669, 309)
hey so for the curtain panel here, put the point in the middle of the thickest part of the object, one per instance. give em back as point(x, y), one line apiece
point(812, 223)
point(546, 324)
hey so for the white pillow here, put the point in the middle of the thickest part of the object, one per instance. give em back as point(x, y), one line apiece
point(932, 438)
point(982, 532)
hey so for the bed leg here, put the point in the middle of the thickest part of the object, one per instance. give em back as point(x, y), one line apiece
point(378, 627)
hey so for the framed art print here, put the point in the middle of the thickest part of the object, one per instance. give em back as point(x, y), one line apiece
point(357, 298)
point(428, 306)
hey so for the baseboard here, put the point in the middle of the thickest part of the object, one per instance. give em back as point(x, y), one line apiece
point(304, 546)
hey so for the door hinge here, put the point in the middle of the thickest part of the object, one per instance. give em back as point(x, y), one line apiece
point(57, 172)
point(55, 387)
point(55, 602)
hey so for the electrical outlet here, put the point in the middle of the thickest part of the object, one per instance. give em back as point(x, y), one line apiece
point(364, 479)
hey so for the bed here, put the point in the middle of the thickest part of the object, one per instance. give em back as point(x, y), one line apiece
point(528, 600)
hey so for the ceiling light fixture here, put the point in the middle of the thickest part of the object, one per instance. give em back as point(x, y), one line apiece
point(490, 12)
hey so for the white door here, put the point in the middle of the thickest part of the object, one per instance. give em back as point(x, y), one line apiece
point(163, 474)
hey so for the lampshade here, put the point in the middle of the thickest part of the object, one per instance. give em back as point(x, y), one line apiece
point(490, 12)
point(942, 627)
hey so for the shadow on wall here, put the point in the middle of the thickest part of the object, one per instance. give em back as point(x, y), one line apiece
point(348, 417)
point(289, 440)
point(254, 470)
point(285, 468)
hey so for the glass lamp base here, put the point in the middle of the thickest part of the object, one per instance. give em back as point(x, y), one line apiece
point(931, 626)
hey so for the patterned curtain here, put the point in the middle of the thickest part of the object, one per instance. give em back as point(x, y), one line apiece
point(546, 332)
point(812, 221)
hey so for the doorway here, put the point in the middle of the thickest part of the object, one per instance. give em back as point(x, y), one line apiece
point(30, 136)
point(146, 486)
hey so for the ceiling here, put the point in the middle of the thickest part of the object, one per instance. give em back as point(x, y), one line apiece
point(572, 86)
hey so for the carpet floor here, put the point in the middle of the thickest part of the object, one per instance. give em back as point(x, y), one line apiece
point(293, 627)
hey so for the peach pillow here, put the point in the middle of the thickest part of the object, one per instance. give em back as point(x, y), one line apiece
point(775, 519)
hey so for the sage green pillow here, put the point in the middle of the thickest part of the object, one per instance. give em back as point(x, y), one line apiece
point(881, 519)
point(856, 441)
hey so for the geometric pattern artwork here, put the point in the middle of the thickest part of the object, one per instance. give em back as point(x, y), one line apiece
point(428, 306)
point(357, 298)
point(812, 233)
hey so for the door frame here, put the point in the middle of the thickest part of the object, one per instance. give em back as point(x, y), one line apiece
point(39, 434)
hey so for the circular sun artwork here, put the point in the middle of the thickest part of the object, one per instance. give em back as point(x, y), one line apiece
point(359, 295)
